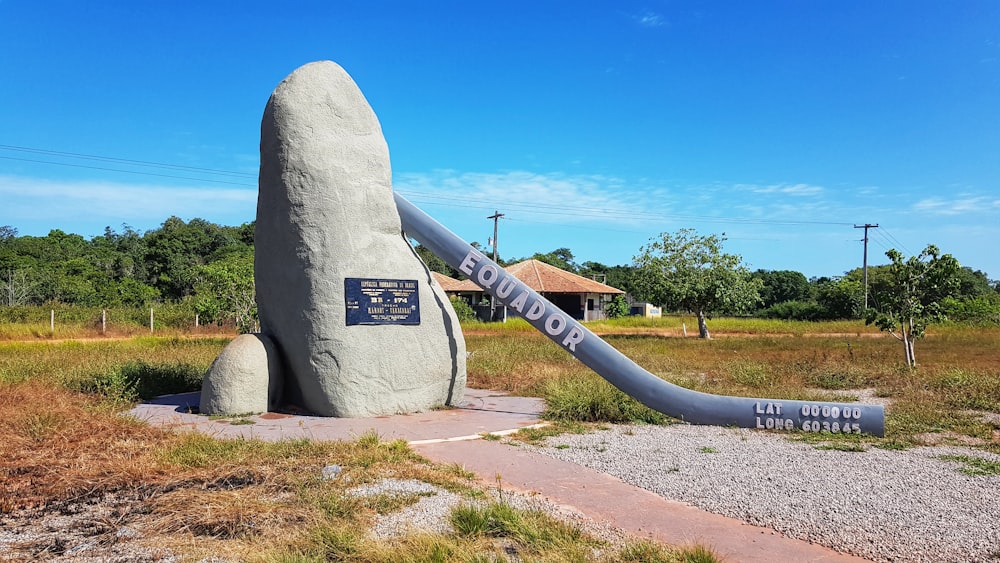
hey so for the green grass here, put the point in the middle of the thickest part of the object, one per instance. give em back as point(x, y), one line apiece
point(974, 465)
point(755, 375)
point(589, 398)
point(71, 321)
point(843, 447)
point(121, 371)
point(969, 388)
point(724, 326)
point(532, 531)
point(556, 428)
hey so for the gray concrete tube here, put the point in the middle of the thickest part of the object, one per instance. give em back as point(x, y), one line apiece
point(684, 404)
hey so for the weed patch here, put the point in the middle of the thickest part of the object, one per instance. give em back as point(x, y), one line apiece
point(591, 399)
point(974, 465)
point(969, 389)
point(843, 447)
point(750, 374)
point(534, 531)
point(538, 435)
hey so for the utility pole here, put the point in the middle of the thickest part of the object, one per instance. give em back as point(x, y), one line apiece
point(496, 219)
point(864, 267)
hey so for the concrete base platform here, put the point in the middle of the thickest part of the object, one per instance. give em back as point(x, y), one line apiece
point(480, 412)
point(452, 436)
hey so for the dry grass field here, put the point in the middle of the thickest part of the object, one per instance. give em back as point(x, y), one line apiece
point(953, 395)
point(133, 491)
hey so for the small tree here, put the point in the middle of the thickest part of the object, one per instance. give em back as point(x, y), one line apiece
point(226, 289)
point(617, 307)
point(687, 271)
point(463, 310)
point(913, 297)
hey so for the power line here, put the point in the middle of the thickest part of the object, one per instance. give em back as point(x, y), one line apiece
point(146, 163)
point(128, 171)
point(893, 240)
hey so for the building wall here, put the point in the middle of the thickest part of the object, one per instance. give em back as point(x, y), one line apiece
point(647, 310)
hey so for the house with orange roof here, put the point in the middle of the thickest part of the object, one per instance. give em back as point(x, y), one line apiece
point(582, 298)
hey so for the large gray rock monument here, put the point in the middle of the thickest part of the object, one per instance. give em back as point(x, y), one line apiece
point(358, 324)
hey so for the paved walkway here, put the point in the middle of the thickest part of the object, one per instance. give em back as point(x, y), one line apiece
point(452, 436)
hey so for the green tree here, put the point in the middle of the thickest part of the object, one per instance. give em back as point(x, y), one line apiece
point(913, 299)
point(973, 284)
point(840, 298)
point(615, 276)
point(177, 249)
point(685, 270)
point(561, 258)
point(434, 263)
point(134, 293)
point(225, 290)
point(617, 307)
point(780, 286)
point(127, 251)
point(463, 310)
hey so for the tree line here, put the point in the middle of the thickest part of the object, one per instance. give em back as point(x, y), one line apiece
point(703, 275)
point(210, 268)
point(204, 265)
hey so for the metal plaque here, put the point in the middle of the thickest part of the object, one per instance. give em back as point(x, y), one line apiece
point(381, 302)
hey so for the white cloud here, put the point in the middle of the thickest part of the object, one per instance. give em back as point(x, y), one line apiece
point(56, 203)
point(609, 202)
point(798, 190)
point(958, 206)
point(550, 198)
point(650, 19)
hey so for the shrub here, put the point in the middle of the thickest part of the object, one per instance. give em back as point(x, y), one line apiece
point(795, 311)
point(463, 310)
point(591, 399)
point(984, 309)
point(141, 380)
point(617, 307)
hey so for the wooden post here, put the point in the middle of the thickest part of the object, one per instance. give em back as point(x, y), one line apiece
point(104, 320)
point(151, 320)
point(196, 320)
point(52, 320)
point(684, 328)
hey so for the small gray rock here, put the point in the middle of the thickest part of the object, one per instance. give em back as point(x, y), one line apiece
point(245, 378)
point(331, 472)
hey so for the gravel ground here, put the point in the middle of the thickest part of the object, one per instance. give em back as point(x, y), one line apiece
point(89, 531)
point(432, 513)
point(883, 505)
point(93, 531)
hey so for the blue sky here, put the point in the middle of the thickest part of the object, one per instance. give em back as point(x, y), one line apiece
point(590, 125)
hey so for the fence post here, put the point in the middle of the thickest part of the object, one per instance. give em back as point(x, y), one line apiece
point(151, 320)
point(196, 320)
point(104, 320)
point(52, 320)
